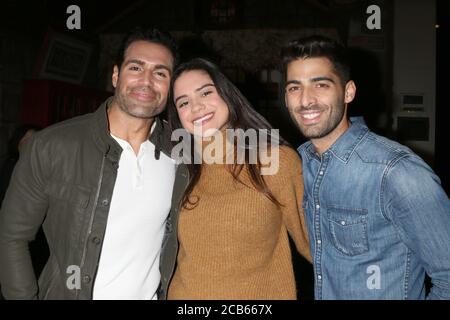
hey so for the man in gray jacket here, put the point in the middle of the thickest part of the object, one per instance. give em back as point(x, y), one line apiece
point(101, 185)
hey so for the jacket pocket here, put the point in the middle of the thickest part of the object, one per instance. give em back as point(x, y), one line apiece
point(348, 229)
point(65, 224)
point(74, 194)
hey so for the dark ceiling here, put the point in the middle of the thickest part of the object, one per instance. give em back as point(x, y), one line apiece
point(112, 16)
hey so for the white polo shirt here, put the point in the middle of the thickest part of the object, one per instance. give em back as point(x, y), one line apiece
point(140, 204)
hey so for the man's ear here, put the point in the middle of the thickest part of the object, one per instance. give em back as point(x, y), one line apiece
point(115, 76)
point(350, 91)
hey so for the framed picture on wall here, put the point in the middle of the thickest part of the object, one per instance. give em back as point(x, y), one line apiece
point(63, 58)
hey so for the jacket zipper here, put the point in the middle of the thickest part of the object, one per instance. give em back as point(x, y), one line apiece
point(91, 221)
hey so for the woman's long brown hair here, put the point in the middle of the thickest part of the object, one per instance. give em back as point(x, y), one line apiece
point(241, 116)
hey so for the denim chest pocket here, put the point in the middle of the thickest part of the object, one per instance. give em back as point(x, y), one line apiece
point(348, 228)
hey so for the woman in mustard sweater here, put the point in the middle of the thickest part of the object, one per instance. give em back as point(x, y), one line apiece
point(244, 195)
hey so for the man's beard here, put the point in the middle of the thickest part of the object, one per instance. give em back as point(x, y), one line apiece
point(139, 109)
point(323, 128)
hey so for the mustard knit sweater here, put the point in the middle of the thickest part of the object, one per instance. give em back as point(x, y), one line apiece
point(234, 244)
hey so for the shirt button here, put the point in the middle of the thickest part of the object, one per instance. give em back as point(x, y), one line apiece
point(343, 223)
point(319, 277)
point(321, 173)
point(96, 240)
point(317, 206)
point(319, 242)
point(105, 202)
point(86, 279)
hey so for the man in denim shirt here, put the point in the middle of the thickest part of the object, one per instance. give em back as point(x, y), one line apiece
point(378, 218)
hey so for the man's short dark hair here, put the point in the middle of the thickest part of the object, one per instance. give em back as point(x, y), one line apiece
point(318, 47)
point(152, 35)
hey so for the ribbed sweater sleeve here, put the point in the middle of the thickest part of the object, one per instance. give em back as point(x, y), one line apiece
point(287, 186)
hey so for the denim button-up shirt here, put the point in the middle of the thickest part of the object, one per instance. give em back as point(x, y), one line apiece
point(378, 219)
